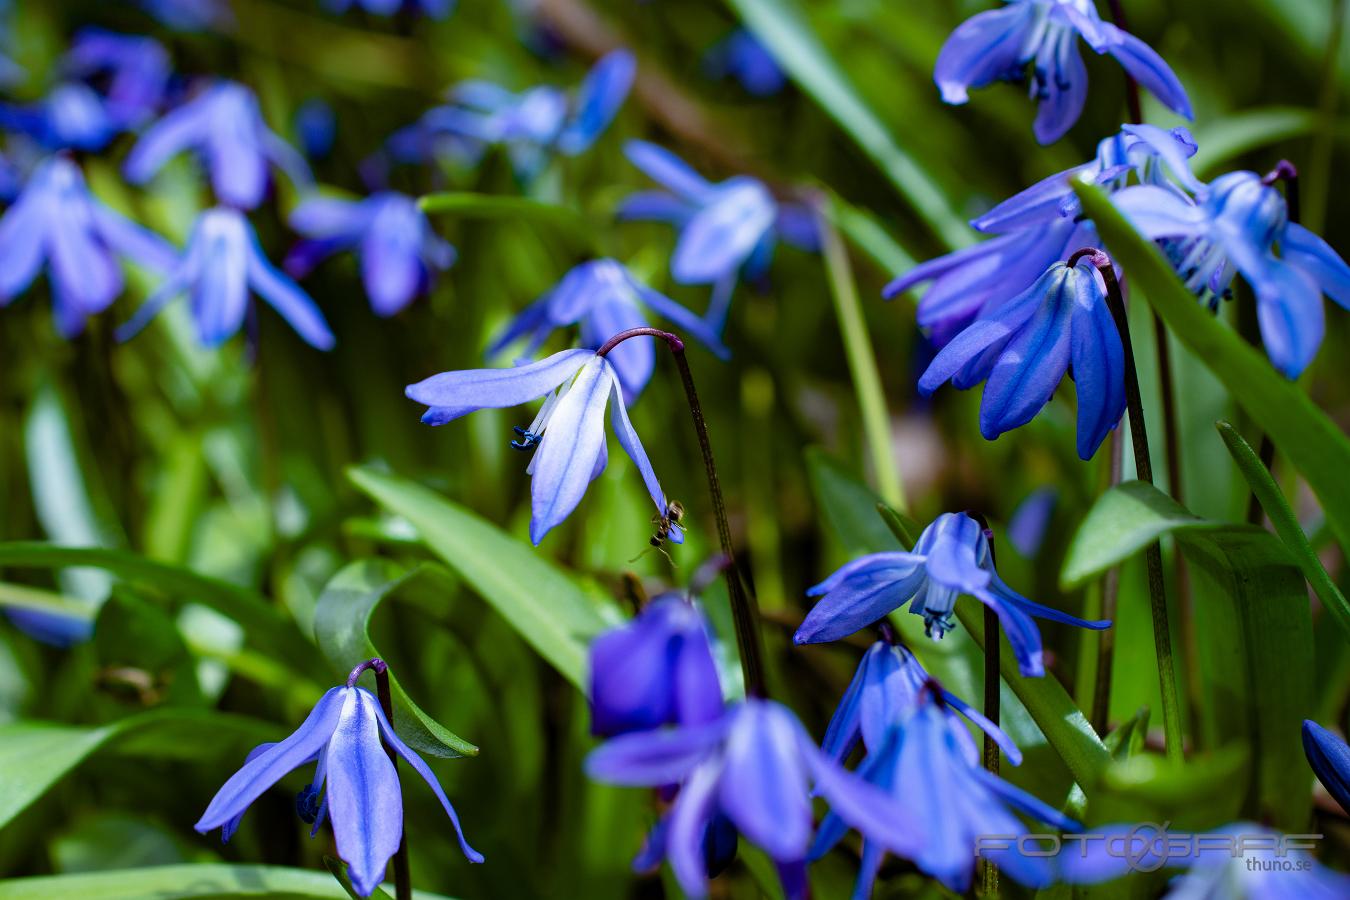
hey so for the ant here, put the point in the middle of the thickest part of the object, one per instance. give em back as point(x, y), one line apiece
point(669, 526)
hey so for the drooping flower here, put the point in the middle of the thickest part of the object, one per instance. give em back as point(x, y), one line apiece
point(432, 9)
point(752, 768)
point(1042, 36)
point(71, 117)
point(222, 263)
point(1238, 223)
point(136, 70)
point(606, 299)
point(399, 252)
point(361, 795)
point(741, 56)
point(951, 558)
point(225, 127)
point(1329, 757)
point(567, 436)
point(57, 222)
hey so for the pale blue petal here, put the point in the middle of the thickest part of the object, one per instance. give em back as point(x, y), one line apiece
point(471, 389)
point(654, 758)
point(668, 170)
point(364, 800)
point(567, 455)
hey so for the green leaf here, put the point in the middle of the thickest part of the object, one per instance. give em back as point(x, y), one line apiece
point(183, 882)
point(1169, 789)
point(501, 206)
point(781, 26)
point(869, 236)
point(1302, 431)
point(539, 600)
point(1226, 139)
point(341, 626)
point(848, 505)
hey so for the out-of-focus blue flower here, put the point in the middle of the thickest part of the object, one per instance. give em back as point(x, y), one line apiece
point(361, 793)
point(1042, 35)
point(71, 117)
point(568, 434)
point(136, 70)
point(1024, 347)
point(57, 222)
point(1329, 757)
point(606, 299)
point(222, 263)
point(225, 127)
point(1031, 520)
point(398, 250)
point(190, 15)
point(1237, 223)
point(951, 558)
point(739, 55)
point(655, 670)
point(316, 127)
point(56, 629)
point(753, 766)
point(433, 9)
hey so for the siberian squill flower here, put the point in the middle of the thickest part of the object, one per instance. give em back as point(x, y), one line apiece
point(71, 117)
point(606, 299)
point(741, 56)
point(1329, 757)
point(752, 768)
point(135, 68)
point(361, 795)
point(1042, 36)
point(57, 222)
point(56, 629)
point(432, 9)
point(222, 263)
point(567, 437)
point(951, 558)
point(190, 15)
point(225, 127)
point(399, 252)
point(1023, 348)
point(1239, 222)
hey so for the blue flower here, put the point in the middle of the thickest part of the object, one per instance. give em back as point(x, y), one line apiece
point(398, 250)
point(606, 299)
point(222, 262)
point(1031, 520)
point(655, 670)
point(136, 70)
point(740, 56)
point(1024, 347)
point(225, 127)
point(567, 436)
point(432, 9)
point(951, 558)
point(1237, 223)
point(71, 117)
point(753, 768)
point(361, 793)
point(1329, 757)
point(190, 15)
point(1001, 44)
point(56, 629)
point(57, 222)
point(316, 127)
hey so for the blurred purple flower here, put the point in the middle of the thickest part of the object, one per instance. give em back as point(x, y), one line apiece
point(1329, 757)
point(190, 15)
point(222, 262)
point(135, 68)
point(606, 299)
point(432, 9)
point(316, 127)
point(57, 222)
point(741, 56)
point(225, 127)
point(399, 252)
point(346, 732)
point(71, 117)
point(56, 629)
point(1031, 520)
point(1042, 35)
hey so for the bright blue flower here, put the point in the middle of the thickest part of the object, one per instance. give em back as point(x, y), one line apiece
point(57, 222)
point(567, 436)
point(316, 127)
point(361, 793)
point(1042, 35)
point(56, 629)
point(753, 766)
point(433, 9)
point(951, 558)
point(656, 670)
point(190, 15)
point(135, 68)
point(1329, 757)
point(606, 299)
point(225, 127)
point(744, 58)
point(71, 117)
point(398, 250)
point(1237, 223)
point(222, 262)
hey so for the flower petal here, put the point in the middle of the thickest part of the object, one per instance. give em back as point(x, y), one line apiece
point(654, 758)
point(1313, 255)
point(857, 603)
point(689, 819)
point(364, 800)
point(598, 100)
point(668, 170)
point(722, 235)
point(985, 48)
point(1145, 66)
point(467, 390)
point(632, 445)
point(763, 788)
point(567, 455)
point(288, 299)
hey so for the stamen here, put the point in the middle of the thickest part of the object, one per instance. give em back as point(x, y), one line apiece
point(307, 804)
point(529, 440)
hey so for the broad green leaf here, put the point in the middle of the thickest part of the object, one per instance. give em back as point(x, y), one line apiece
point(341, 623)
point(782, 27)
point(1196, 793)
point(1222, 141)
point(541, 602)
point(21, 596)
point(203, 881)
point(848, 505)
point(1302, 431)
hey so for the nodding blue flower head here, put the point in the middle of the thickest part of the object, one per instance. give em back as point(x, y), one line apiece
point(1238, 223)
point(225, 127)
point(222, 263)
point(56, 629)
point(951, 558)
point(1042, 35)
point(1329, 757)
point(399, 252)
point(71, 117)
point(346, 733)
point(135, 68)
point(741, 56)
point(190, 15)
point(930, 763)
point(606, 299)
point(1023, 348)
point(57, 222)
point(432, 9)
point(567, 437)
point(753, 768)
point(655, 670)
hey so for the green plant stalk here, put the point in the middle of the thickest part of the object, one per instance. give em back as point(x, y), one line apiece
point(862, 364)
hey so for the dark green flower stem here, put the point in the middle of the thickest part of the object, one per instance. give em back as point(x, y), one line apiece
point(402, 874)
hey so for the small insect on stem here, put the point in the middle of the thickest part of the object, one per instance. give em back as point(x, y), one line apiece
point(671, 522)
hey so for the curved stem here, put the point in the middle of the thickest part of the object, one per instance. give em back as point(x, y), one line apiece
point(402, 872)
